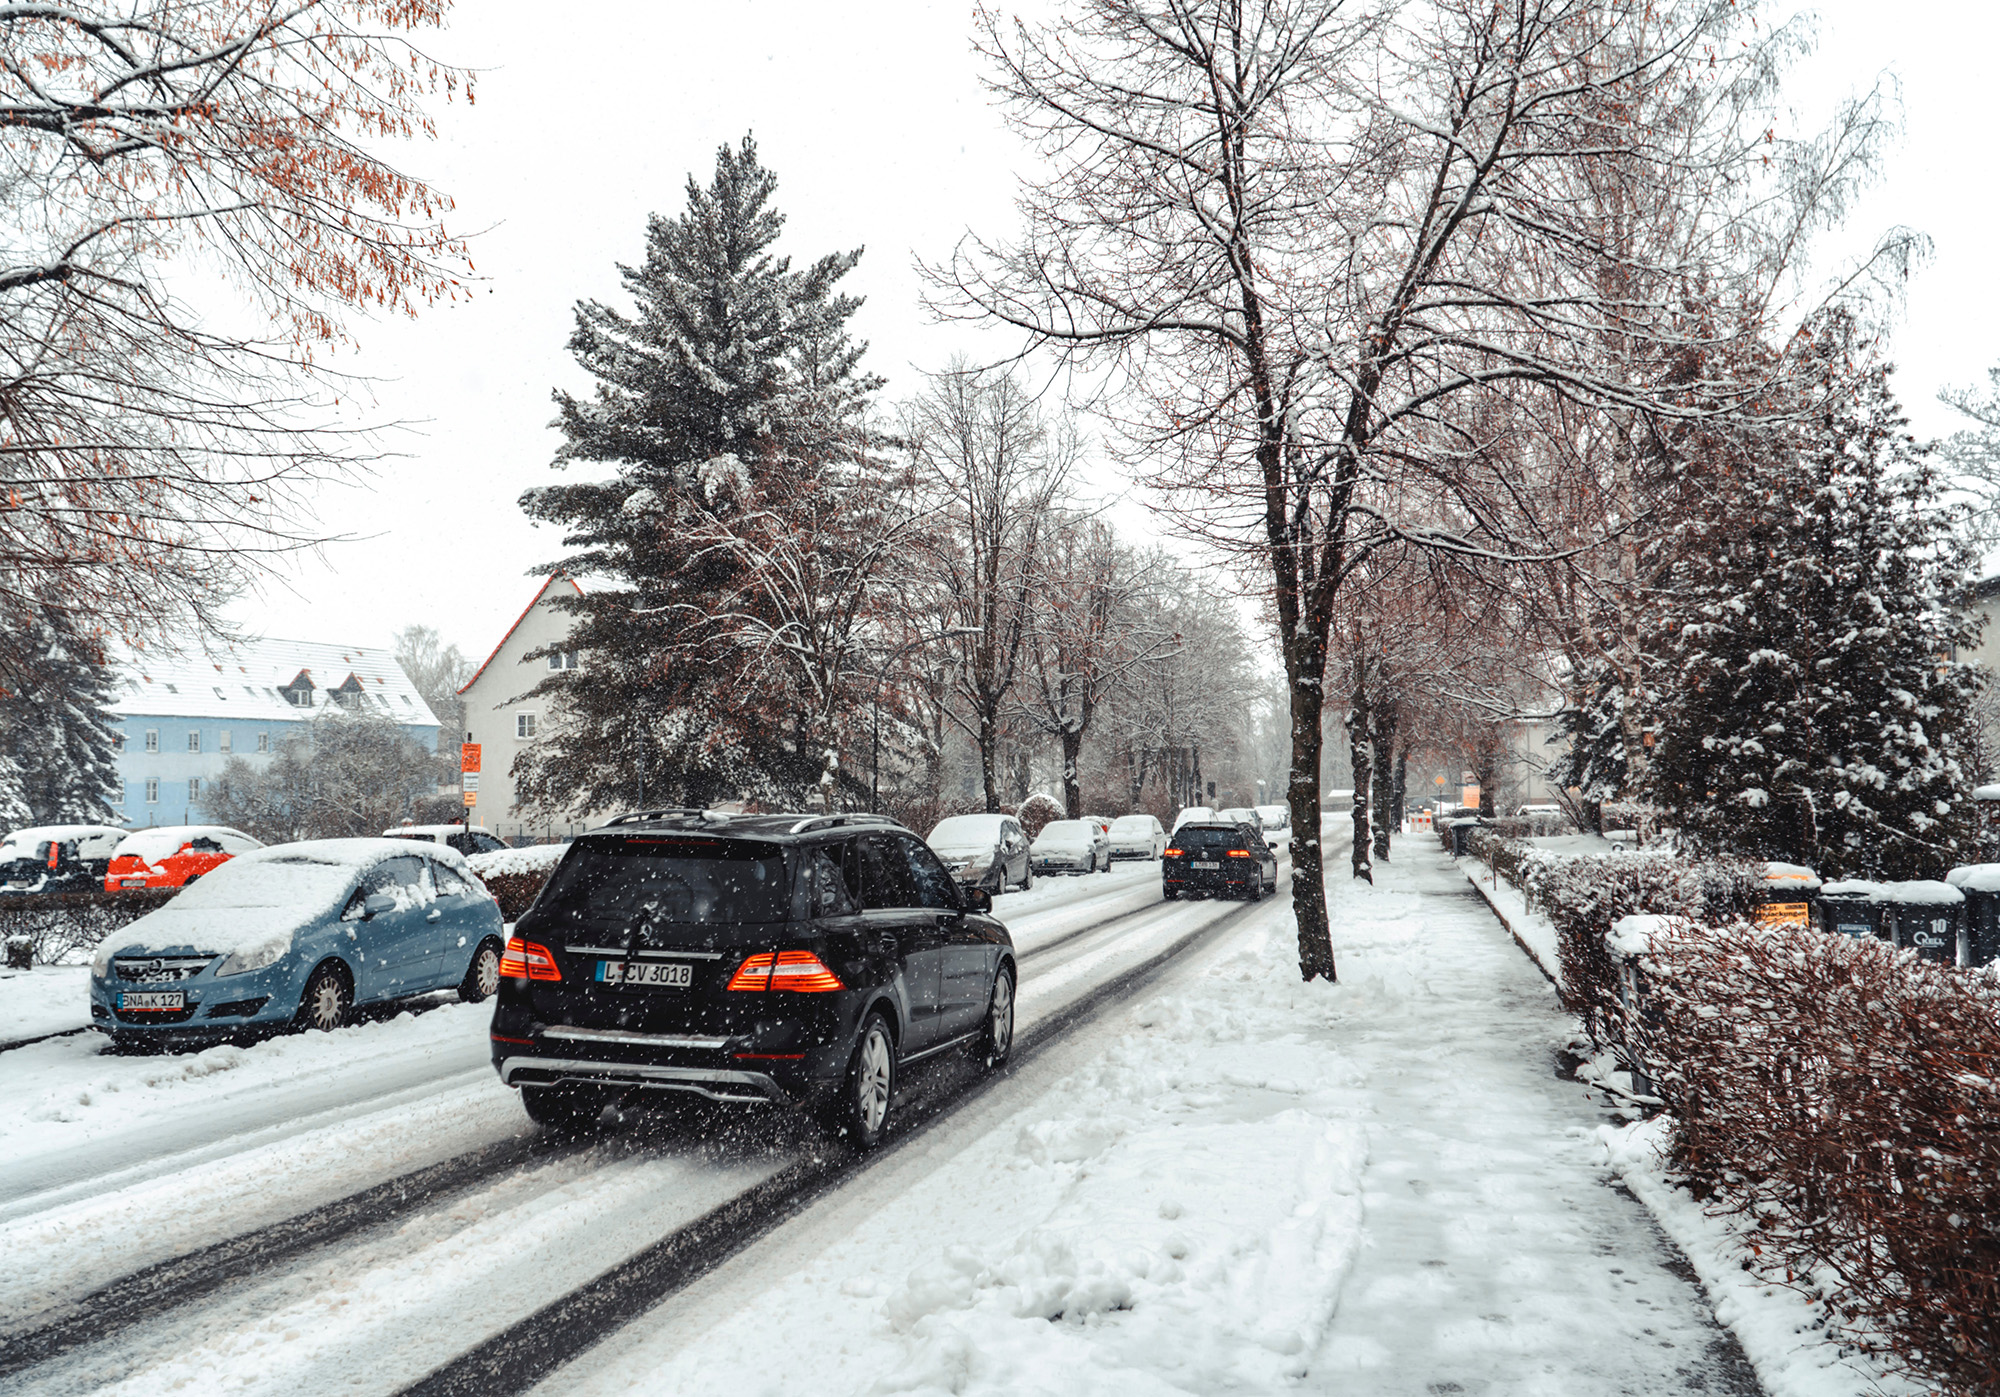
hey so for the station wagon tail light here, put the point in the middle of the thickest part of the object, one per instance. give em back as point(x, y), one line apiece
point(524, 960)
point(1173, 853)
point(1240, 854)
point(787, 970)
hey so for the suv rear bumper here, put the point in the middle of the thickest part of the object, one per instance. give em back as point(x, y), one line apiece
point(756, 1065)
point(715, 1083)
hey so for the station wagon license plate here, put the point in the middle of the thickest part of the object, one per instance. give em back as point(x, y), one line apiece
point(676, 975)
point(133, 882)
point(1199, 863)
point(153, 1000)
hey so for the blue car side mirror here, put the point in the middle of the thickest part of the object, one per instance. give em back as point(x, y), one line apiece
point(376, 905)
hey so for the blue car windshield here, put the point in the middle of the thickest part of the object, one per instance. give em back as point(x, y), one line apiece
point(670, 878)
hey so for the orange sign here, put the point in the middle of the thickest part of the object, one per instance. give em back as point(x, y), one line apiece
point(468, 757)
point(1783, 914)
point(471, 798)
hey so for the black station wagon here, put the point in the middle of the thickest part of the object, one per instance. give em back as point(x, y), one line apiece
point(749, 958)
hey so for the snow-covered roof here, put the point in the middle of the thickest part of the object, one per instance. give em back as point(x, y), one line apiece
point(533, 601)
point(244, 681)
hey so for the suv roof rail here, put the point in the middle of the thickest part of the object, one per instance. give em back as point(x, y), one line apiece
point(635, 816)
point(814, 821)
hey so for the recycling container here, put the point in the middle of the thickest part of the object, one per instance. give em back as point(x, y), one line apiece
point(1785, 896)
point(1980, 882)
point(1926, 916)
point(1852, 908)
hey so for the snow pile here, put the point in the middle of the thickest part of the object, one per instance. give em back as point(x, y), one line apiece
point(1975, 878)
point(1781, 1329)
point(534, 859)
point(1790, 877)
point(1924, 892)
point(1640, 934)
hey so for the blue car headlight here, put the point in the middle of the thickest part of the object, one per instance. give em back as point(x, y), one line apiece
point(260, 956)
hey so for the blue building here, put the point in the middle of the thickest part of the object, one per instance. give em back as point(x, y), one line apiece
point(180, 718)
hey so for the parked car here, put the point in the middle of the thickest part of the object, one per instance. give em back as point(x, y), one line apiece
point(1223, 859)
point(1136, 837)
point(1539, 809)
point(760, 959)
point(1071, 846)
point(984, 851)
point(298, 934)
point(57, 858)
point(467, 841)
point(1276, 821)
point(1193, 812)
point(172, 856)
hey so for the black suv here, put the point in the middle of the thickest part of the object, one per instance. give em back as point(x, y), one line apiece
point(1218, 857)
point(747, 958)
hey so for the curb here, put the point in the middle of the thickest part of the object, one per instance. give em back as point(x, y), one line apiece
point(1499, 913)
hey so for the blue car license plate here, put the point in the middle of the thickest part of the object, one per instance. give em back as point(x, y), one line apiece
point(153, 1001)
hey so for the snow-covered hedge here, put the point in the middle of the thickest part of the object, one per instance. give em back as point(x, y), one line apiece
point(1585, 894)
point(515, 876)
point(1842, 1099)
point(61, 928)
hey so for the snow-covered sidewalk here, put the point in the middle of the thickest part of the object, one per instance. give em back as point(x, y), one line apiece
point(1239, 1184)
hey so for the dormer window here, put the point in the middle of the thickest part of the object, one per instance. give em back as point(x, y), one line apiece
point(299, 693)
point(349, 693)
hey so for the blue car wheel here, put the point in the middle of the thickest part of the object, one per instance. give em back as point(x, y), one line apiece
point(327, 1000)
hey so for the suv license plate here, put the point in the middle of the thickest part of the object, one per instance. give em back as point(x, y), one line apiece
point(1198, 863)
point(154, 1000)
point(677, 975)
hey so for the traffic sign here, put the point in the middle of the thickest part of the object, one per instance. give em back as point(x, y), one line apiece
point(470, 780)
point(468, 756)
point(471, 799)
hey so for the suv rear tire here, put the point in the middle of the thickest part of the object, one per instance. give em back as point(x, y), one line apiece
point(859, 1110)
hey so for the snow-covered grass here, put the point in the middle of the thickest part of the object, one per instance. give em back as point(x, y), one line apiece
point(46, 999)
point(1779, 1328)
point(1535, 932)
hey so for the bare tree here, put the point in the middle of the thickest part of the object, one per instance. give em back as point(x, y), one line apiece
point(439, 671)
point(994, 468)
point(150, 457)
point(1318, 241)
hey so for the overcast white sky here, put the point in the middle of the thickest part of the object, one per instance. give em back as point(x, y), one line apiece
point(873, 118)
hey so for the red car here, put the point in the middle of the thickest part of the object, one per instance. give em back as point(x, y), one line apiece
point(172, 856)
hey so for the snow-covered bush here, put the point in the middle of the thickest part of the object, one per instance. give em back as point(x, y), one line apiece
point(63, 928)
point(515, 876)
point(1036, 811)
point(1843, 1099)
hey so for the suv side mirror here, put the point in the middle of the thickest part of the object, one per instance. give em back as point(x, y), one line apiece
point(978, 900)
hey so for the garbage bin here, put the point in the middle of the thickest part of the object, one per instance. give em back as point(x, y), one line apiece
point(1852, 907)
point(1461, 831)
point(1980, 882)
point(1785, 896)
point(1925, 916)
point(1629, 939)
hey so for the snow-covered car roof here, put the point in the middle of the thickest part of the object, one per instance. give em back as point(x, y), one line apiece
point(160, 840)
point(60, 834)
point(968, 831)
point(431, 831)
point(1066, 831)
point(1131, 822)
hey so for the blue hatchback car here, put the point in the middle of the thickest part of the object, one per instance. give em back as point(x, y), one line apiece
point(298, 934)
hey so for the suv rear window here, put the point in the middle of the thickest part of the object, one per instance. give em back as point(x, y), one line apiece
point(1208, 839)
point(671, 878)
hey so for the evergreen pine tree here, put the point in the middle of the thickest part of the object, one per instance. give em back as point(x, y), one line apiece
point(1812, 710)
point(56, 728)
point(732, 366)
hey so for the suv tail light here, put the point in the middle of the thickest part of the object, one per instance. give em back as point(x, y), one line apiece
point(788, 970)
point(524, 960)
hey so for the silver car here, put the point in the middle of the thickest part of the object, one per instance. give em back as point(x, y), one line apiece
point(1071, 846)
point(1137, 837)
point(984, 851)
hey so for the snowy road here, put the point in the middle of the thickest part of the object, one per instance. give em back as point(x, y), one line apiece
point(246, 1138)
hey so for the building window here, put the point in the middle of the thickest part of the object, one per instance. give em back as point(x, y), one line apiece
point(124, 791)
point(194, 740)
point(222, 740)
point(194, 788)
point(118, 740)
point(524, 725)
point(263, 742)
point(563, 659)
point(152, 790)
point(152, 739)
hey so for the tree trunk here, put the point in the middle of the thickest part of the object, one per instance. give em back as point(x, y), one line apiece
point(1363, 762)
point(989, 761)
point(1382, 747)
point(1072, 750)
point(1302, 798)
point(1400, 789)
point(1487, 772)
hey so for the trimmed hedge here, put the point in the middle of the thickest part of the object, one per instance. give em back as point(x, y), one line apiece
point(1842, 1099)
point(57, 926)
